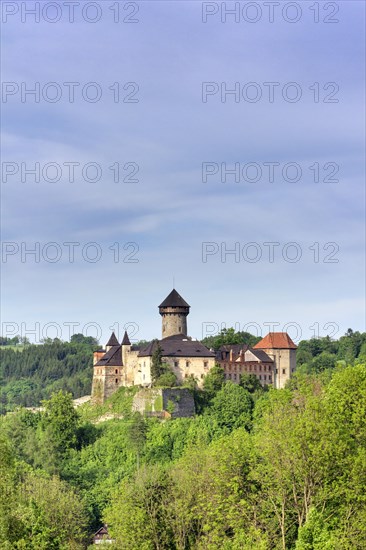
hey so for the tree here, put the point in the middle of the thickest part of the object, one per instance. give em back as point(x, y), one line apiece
point(60, 423)
point(136, 435)
point(81, 339)
point(158, 367)
point(231, 407)
point(251, 383)
point(228, 336)
point(323, 362)
point(167, 379)
point(214, 380)
point(136, 516)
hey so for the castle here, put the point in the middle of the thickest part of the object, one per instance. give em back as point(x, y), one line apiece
point(272, 360)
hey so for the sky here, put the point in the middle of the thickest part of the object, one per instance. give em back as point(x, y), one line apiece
point(181, 143)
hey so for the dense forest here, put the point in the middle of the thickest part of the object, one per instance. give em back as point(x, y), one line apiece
point(255, 469)
point(30, 373)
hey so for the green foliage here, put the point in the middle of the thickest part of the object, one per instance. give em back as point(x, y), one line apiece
point(277, 469)
point(37, 512)
point(60, 422)
point(251, 383)
point(319, 354)
point(214, 380)
point(231, 407)
point(228, 336)
point(40, 370)
point(166, 380)
point(157, 366)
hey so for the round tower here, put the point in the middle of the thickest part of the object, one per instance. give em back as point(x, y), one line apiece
point(174, 311)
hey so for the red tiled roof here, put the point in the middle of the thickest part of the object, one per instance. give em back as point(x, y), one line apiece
point(276, 340)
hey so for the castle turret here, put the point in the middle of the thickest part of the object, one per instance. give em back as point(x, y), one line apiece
point(126, 348)
point(111, 342)
point(174, 310)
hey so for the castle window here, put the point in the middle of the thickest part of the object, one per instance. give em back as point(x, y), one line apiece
point(205, 364)
point(180, 329)
point(187, 363)
point(176, 364)
point(265, 377)
point(260, 368)
point(283, 371)
point(202, 375)
point(116, 380)
point(260, 377)
point(116, 371)
point(269, 378)
point(186, 376)
point(264, 368)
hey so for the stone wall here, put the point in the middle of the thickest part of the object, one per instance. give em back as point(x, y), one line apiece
point(171, 402)
point(174, 321)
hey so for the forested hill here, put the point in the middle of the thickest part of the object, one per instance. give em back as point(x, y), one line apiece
point(30, 373)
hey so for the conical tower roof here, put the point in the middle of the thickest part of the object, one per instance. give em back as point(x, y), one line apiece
point(174, 300)
point(126, 340)
point(112, 341)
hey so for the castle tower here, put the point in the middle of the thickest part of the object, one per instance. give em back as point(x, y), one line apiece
point(280, 347)
point(126, 348)
point(174, 311)
point(108, 373)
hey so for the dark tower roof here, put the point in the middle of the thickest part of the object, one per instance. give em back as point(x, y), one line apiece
point(126, 340)
point(174, 300)
point(112, 341)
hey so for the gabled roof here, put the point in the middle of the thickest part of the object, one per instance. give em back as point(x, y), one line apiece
point(148, 350)
point(174, 300)
point(126, 340)
point(112, 340)
point(177, 345)
point(113, 358)
point(276, 340)
point(261, 355)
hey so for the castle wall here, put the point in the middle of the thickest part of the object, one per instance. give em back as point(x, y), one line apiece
point(263, 371)
point(143, 372)
point(130, 362)
point(285, 365)
point(171, 402)
point(186, 367)
point(106, 380)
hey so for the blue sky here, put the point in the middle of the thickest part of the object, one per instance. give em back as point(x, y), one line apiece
point(168, 133)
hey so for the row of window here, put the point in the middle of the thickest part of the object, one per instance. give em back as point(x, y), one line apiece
point(235, 376)
point(100, 371)
point(250, 368)
point(176, 364)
